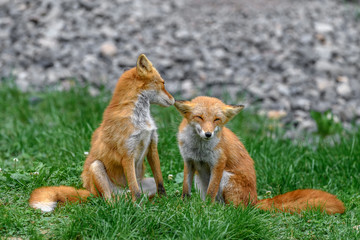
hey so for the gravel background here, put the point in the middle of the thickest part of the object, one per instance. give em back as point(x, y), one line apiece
point(288, 56)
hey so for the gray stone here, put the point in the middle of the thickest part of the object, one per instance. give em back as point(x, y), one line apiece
point(182, 34)
point(108, 49)
point(256, 91)
point(307, 125)
point(324, 52)
point(328, 67)
point(357, 111)
point(344, 90)
point(301, 103)
point(22, 83)
point(93, 91)
point(323, 84)
point(219, 53)
point(283, 89)
point(187, 88)
point(322, 27)
point(174, 86)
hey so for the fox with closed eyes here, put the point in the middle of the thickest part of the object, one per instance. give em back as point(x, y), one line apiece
point(223, 168)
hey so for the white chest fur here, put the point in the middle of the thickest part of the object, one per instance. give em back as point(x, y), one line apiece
point(196, 149)
point(145, 131)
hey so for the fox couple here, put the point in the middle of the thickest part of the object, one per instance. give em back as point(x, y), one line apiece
point(214, 158)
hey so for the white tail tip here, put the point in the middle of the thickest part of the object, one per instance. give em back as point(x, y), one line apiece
point(44, 206)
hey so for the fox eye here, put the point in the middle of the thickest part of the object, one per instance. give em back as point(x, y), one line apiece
point(217, 119)
point(199, 117)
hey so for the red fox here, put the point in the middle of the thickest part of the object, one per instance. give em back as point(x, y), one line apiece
point(118, 147)
point(223, 168)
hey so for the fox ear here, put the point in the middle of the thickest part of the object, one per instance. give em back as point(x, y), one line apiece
point(183, 107)
point(143, 65)
point(231, 111)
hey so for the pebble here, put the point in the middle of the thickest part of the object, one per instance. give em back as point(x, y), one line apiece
point(274, 114)
point(321, 27)
point(344, 89)
point(323, 84)
point(108, 49)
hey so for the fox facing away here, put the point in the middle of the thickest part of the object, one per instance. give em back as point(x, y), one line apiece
point(118, 147)
point(222, 166)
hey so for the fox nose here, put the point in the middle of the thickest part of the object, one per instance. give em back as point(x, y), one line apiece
point(208, 134)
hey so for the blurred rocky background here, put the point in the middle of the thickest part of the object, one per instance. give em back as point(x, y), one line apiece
point(287, 57)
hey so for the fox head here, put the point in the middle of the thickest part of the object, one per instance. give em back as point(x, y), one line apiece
point(153, 84)
point(207, 115)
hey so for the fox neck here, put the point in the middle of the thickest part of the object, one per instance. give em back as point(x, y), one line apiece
point(141, 114)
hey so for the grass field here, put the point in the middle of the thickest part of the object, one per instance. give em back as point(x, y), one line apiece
point(43, 137)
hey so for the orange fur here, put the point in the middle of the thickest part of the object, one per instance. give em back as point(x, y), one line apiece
point(59, 194)
point(224, 168)
point(126, 135)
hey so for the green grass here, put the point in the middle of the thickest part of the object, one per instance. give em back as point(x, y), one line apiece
point(49, 132)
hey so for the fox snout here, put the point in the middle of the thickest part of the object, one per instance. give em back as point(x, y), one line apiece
point(165, 99)
point(206, 133)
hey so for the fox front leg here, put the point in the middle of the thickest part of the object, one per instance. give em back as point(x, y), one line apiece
point(215, 179)
point(188, 178)
point(154, 162)
point(130, 174)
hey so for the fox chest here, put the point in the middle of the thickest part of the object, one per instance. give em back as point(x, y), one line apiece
point(139, 142)
point(144, 129)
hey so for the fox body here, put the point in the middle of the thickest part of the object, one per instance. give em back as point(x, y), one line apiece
point(118, 147)
point(223, 168)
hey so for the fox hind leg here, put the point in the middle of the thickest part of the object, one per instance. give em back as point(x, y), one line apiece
point(236, 192)
point(101, 181)
point(148, 186)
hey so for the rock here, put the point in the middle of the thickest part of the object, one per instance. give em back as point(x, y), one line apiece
point(283, 89)
point(256, 91)
point(342, 79)
point(312, 94)
point(93, 91)
point(321, 106)
point(301, 103)
point(306, 39)
point(357, 111)
point(182, 35)
point(327, 67)
point(174, 86)
point(219, 53)
point(323, 84)
point(324, 52)
point(330, 95)
point(321, 27)
point(276, 114)
point(307, 125)
point(284, 103)
point(187, 88)
point(108, 49)
point(22, 83)
point(344, 90)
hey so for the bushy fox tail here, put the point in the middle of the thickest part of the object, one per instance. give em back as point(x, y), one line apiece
point(300, 200)
point(46, 198)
